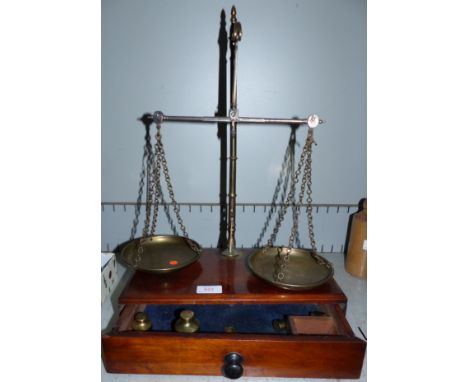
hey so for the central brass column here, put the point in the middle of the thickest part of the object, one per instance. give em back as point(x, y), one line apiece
point(235, 37)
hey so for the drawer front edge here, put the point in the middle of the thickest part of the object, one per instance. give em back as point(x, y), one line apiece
point(264, 356)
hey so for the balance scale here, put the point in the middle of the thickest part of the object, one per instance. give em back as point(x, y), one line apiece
point(262, 312)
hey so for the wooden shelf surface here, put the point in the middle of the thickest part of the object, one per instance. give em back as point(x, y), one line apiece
point(239, 285)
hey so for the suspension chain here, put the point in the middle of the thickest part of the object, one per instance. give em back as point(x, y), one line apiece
point(310, 223)
point(156, 191)
point(155, 194)
point(144, 163)
point(282, 260)
point(175, 207)
point(289, 199)
point(151, 197)
point(283, 180)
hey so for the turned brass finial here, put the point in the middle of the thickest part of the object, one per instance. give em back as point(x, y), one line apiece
point(233, 14)
point(236, 28)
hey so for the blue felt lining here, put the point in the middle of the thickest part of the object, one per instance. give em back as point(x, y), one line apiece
point(248, 318)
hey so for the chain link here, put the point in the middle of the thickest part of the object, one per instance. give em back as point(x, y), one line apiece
point(288, 202)
point(144, 163)
point(175, 207)
point(137, 258)
point(285, 175)
point(282, 261)
point(156, 191)
point(153, 177)
point(310, 223)
point(151, 165)
point(153, 196)
point(305, 161)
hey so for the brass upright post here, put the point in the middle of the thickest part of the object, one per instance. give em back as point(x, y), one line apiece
point(235, 37)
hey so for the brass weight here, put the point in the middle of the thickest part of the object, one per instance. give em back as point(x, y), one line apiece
point(141, 322)
point(187, 323)
point(280, 325)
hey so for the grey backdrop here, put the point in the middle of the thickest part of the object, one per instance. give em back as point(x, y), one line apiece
point(295, 58)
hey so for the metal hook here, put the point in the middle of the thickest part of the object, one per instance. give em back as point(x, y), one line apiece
point(190, 208)
point(337, 209)
point(331, 250)
point(125, 207)
point(200, 208)
point(113, 207)
point(321, 249)
point(328, 209)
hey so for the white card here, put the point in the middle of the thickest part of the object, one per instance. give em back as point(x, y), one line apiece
point(364, 245)
point(209, 289)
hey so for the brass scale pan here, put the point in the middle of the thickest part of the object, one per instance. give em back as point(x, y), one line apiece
point(161, 253)
point(304, 271)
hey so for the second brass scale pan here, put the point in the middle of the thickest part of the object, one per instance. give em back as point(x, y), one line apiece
point(305, 270)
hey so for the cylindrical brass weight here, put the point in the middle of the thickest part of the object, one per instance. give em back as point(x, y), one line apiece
point(356, 258)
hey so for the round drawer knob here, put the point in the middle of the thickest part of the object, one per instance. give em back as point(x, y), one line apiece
point(233, 366)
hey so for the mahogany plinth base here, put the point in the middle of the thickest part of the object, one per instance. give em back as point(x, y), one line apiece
point(339, 354)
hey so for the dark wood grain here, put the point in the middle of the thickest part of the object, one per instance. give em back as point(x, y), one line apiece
point(239, 285)
point(264, 356)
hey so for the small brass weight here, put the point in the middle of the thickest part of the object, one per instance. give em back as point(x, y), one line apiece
point(141, 322)
point(187, 323)
point(280, 325)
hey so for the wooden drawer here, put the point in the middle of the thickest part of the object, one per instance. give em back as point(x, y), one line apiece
point(162, 351)
point(307, 356)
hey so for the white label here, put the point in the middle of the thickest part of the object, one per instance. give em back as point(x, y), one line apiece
point(364, 245)
point(209, 289)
